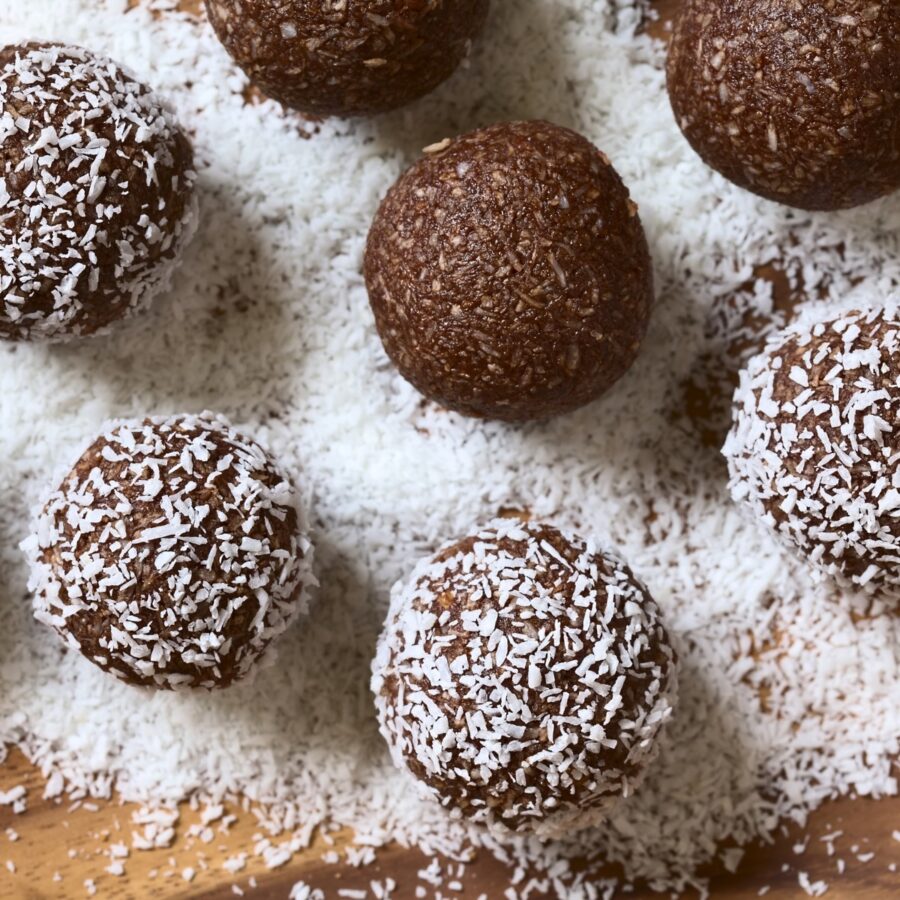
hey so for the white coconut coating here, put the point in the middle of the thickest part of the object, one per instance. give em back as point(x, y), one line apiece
point(96, 193)
point(172, 554)
point(523, 677)
point(814, 447)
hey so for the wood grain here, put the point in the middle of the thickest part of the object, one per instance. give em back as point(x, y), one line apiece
point(48, 832)
point(58, 848)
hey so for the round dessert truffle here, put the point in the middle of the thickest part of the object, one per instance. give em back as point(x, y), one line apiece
point(797, 102)
point(813, 450)
point(96, 193)
point(523, 677)
point(172, 553)
point(347, 59)
point(509, 273)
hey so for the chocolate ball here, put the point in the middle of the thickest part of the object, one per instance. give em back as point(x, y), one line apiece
point(96, 193)
point(172, 554)
point(798, 102)
point(523, 677)
point(813, 448)
point(509, 273)
point(347, 59)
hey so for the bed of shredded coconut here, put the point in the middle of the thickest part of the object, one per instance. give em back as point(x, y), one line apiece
point(269, 324)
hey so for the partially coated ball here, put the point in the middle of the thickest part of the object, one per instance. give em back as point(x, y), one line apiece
point(508, 273)
point(347, 57)
point(172, 554)
point(813, 451)
point(96, 193)
point(795, 100)
point(524, 677)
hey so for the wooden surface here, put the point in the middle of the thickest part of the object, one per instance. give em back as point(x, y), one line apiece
point(48, 832)
point(51, 850)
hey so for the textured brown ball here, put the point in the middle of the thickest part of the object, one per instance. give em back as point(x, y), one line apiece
point(172, 554)
point(795, 100)
point(352, 58)
point(96, 193)
point(509, 273)
point(814, 450)
point(523, 677)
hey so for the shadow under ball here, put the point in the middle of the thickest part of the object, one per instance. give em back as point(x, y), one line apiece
point(796, 101)
point(347, 57)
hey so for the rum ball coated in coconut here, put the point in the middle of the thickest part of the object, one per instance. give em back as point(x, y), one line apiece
point(347, 58)
point(523, 677)
point(96, 193)
point(814, 450)
point(796, 101)
point(509, 274)
point(172, 554)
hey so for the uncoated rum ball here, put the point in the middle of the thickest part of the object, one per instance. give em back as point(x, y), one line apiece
point(509, 274)
point(795, 100)
point(347, 57)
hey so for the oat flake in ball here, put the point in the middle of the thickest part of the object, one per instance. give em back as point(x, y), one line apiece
point(795, 100)
point(347, 57)
point(523, 677)
point(509, 273)
point(96, 193)
point(814, 450)
point(172, 553)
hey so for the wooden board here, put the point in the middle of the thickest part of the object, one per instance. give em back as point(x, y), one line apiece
point(57, 848)
point(48, 832)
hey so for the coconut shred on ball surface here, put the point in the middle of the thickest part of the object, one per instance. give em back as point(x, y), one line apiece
point(794, 100)
point(814, 450)
point(96, 193)
point(509, 274)
point(347, 57)
point(523, 677)
point(172, 554)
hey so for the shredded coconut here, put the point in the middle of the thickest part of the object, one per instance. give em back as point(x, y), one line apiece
point(268, 323)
